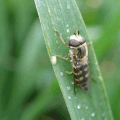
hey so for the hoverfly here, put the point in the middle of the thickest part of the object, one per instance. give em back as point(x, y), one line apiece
point(79, 57)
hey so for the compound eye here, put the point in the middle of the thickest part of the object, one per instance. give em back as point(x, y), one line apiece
point(74, 43)
point(83, 39)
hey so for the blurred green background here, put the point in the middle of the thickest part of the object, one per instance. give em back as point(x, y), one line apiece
point(28, 87)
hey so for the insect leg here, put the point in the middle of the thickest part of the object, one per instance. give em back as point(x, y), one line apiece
point(61, 38)
point(62, 57)
point(69, 72)
point(93, 78)
point(89, 43)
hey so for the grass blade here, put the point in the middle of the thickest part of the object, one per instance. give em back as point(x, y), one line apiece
point(64, 16)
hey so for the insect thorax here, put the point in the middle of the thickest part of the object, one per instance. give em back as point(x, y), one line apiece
point(80, 53)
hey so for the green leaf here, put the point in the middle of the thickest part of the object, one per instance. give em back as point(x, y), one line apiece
point(64, 16)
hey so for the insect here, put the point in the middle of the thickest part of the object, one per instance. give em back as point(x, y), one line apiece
point(79, 57)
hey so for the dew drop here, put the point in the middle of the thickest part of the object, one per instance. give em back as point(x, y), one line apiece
point(57, 41)
point(68, 30)
point(68, 88)
point(78, 106)
point(68, 6)
point(67, 25)
point(54, 60)
point(103, 114)
point(72, 82)
point(49, 11)
point(82, 119)
point(93, 114)
point(86, 107)
point(61, 73)
point(69, 97)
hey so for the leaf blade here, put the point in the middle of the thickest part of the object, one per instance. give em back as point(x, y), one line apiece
point(58, 15)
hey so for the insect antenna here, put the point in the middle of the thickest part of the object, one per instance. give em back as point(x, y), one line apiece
point(78, 32)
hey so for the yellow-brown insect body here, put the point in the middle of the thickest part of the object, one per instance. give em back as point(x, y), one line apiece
point(80, 63)
point(79, 57)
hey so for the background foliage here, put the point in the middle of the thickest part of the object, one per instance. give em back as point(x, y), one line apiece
point(26, 90)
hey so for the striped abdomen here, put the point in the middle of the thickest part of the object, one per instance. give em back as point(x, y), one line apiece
point(81, 72)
